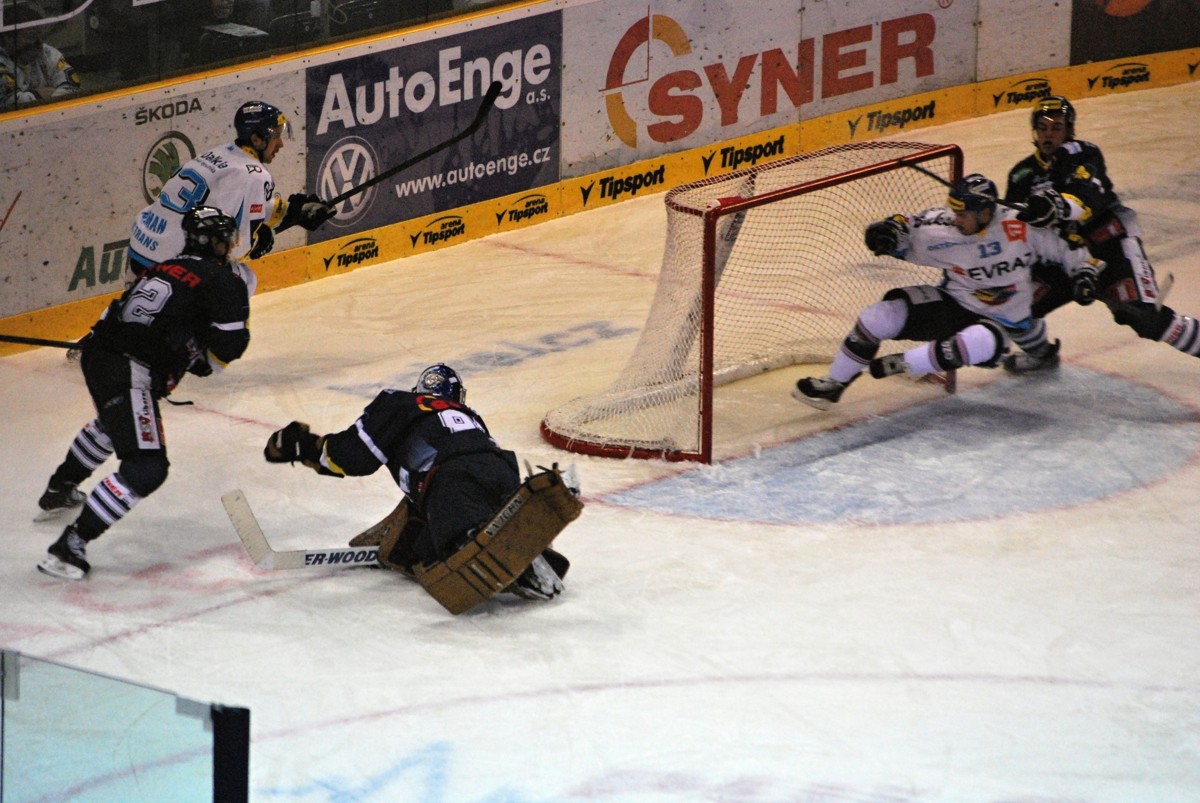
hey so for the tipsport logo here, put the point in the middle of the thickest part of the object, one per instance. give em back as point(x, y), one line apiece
point(1023, 92)
point(1121, 75)
point(350, 163)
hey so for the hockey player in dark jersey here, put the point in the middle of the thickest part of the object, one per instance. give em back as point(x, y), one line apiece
point(185, 315)
point(454, 475)
point(1065, 184)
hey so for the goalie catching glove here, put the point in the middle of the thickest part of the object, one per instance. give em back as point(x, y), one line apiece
point(1045, 208)
point(308, 211)
point(888, 237)
point(295, 442)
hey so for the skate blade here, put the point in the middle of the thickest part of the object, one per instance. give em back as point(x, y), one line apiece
point(820, 404)
point(56, 568)
point(50, 515)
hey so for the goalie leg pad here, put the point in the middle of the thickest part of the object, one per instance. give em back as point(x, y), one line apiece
point(504, 547)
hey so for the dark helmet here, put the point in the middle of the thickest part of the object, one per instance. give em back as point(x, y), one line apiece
point(973, 193)
point(27, 40)
point(1054, 107)
point(260, 117)
point(441, 380)
point(205, 225)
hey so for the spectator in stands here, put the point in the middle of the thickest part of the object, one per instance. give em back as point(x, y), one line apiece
point(36, 70)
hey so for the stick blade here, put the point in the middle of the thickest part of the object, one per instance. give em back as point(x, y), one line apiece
point(248, 529)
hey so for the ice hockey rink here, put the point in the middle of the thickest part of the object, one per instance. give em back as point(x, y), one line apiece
point(992, 596)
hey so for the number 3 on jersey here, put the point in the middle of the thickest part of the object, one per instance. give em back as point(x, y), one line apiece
point(191, 192)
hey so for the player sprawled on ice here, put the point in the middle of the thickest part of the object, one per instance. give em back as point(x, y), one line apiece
point(1065, 186)
point(982, 302)
point(185, 315)
point(467, 527)
point(234, 178)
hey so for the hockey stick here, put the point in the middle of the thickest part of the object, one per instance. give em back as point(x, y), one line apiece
point(37, 341)
point(264, 557)
point(939, 179)
point(485, 106)
point(1164, 289)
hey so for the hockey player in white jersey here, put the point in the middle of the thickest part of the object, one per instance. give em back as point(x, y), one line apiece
point(35, 69)
point(233, 178)
point(983, 301)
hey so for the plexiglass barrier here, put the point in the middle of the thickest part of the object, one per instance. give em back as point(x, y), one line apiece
point(100, 45)
point(68, 734)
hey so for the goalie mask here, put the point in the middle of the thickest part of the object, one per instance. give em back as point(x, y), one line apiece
point(441, 380)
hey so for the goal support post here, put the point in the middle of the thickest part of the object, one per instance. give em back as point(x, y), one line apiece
point(762, 269)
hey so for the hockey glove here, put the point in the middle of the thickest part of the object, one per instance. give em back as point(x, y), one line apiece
point(264, 241)
point(1084, 285)
point(883, 237)
point(294, 442)
point(1045, 208)
point(308, 211)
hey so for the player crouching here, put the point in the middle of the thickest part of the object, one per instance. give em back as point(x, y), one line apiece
point(468, 528)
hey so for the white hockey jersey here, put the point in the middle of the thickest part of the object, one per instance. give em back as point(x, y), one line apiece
point(229, 178)
point(988, 272)
point(47, 72)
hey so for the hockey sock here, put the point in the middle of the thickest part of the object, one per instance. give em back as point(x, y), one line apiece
point(109, 502)
point(978, 344)
point(90, 448)
point(1183, 334)
point(1032, 340)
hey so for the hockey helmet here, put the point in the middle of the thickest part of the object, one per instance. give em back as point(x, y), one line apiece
point(973, 193)
point(205, 226)
point(1055, 107)
point(260, 117)
point(441, 380)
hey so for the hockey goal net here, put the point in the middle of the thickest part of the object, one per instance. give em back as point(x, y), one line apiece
point(762, 269)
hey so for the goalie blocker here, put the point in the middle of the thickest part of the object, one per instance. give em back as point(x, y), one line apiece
point(496, 556)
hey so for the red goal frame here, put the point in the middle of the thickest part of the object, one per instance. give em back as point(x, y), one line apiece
point(712, 217)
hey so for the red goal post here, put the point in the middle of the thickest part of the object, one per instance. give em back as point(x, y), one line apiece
point(762, 269)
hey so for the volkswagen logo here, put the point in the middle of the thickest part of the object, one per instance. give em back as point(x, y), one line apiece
point(350, 162)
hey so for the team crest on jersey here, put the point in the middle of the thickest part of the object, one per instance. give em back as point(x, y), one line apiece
point(350, 162)
point(996, 296)
point(163, 160)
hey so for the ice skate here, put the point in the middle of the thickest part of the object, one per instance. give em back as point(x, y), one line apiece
point(539, 581)
point(820, 392)
point(58, 499)
point(1043, 358)
point(67, 557)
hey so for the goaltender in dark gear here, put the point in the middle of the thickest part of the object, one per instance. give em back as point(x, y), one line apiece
point(468, 528)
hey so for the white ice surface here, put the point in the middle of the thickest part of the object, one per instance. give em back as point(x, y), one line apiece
point(892, 619)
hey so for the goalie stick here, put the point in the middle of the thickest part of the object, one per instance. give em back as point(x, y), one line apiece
point(485, 106)
point(265, 557)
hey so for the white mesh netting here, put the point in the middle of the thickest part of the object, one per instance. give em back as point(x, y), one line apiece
point(791, 275)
